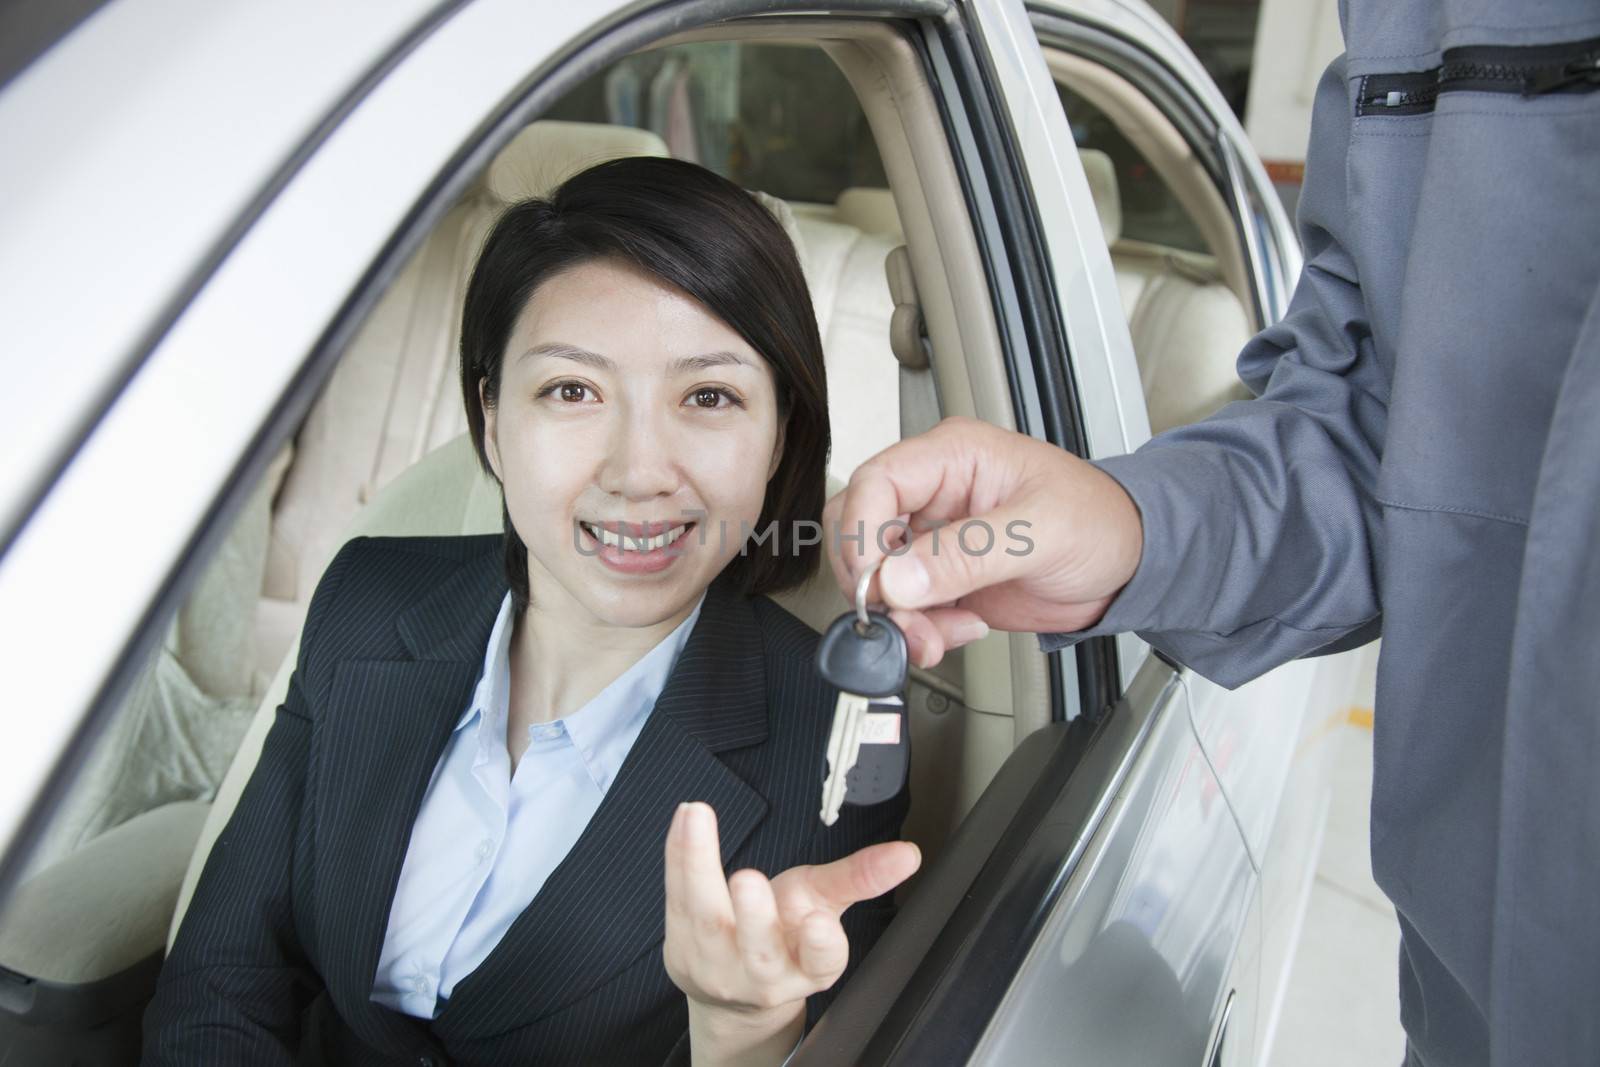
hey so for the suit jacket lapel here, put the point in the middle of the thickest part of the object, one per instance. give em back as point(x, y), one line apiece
point(384, 726)
point(604, 904)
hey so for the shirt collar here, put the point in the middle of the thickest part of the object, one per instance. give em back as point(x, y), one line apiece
point(603, 730)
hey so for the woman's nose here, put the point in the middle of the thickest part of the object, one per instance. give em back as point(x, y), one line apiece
point(640, 462)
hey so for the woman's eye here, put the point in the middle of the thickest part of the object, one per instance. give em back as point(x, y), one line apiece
point(710, 397)
point(567, 392)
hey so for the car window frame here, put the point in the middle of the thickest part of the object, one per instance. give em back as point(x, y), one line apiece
point(44, 776)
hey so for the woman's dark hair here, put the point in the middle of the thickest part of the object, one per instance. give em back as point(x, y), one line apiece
point(708, 237)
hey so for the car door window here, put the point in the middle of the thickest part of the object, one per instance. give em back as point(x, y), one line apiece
point(1181, 266)
point(1150, 212)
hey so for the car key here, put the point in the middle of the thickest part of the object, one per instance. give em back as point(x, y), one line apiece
point(864, 655)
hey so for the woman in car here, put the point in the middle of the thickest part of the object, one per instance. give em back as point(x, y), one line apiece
point(491, 820)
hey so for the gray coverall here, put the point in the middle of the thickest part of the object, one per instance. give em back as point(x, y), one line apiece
point(1423, 458)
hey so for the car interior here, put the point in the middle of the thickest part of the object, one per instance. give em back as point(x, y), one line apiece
point(874, 205)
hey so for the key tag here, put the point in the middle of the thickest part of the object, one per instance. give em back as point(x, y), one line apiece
point(864, 652)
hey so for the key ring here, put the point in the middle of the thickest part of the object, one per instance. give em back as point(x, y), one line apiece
point(864, 625)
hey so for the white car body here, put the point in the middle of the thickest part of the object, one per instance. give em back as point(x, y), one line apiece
point(193, 195)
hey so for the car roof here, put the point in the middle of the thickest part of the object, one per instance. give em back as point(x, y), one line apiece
point(137, 145)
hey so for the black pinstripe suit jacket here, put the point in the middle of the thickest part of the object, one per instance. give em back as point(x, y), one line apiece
point(276, 956)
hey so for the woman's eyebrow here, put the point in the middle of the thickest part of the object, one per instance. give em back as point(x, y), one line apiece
point(566, 351)
point(707, 361)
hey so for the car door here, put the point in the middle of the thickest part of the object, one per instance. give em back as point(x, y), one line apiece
point(1205, 257)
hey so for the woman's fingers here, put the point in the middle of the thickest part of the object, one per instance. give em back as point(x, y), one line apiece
point(677, 900)
point(698, 950)
point(864, 874)
point(763, 947)
point(697, 892)
point(705, 887)
point(748, 941)
point(824, 948)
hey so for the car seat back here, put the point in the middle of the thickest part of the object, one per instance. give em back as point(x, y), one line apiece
point(1187, 326)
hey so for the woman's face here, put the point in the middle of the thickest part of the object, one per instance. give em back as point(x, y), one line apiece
point(628, 411)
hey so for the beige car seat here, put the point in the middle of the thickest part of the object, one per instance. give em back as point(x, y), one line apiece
point(1187, 326)
point(870, 210)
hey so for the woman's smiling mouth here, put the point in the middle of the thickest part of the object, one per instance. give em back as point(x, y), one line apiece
point(633, 548)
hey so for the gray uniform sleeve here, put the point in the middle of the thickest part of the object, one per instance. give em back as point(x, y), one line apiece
point(1262, 534)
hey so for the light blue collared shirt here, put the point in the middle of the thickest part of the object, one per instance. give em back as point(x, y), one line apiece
point(456, 898)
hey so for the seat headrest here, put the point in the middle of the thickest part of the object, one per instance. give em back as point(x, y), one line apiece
point(550, 151)
point(1102, 175)
point(869, 210)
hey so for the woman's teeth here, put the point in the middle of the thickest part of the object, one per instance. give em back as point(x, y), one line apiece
point(628, 543)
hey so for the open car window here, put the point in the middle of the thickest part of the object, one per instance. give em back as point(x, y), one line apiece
point(1150, 211)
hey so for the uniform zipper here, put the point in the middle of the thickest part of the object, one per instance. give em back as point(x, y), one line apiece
point(1533, 70)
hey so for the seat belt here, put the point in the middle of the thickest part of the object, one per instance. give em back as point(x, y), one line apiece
point(920, 408)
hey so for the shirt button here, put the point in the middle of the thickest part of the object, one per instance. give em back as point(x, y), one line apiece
point(419, 984)
point(485, 849)
point(426, 1060)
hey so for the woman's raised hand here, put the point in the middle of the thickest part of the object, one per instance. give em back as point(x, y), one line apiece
point(747, 950)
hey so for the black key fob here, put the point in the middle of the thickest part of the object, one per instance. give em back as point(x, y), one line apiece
point(869, 664)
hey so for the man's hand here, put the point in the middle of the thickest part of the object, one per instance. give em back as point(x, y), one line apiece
point(747, 951)
point(1062, 536)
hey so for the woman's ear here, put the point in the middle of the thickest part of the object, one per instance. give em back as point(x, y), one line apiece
point(777, 447)
point(491, 446)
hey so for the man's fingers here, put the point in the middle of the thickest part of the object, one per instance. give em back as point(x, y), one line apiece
point(935, 631)
point(928, 475)
point(924, 643)
point(832, 548)
point(946, 564)
point(864, 874)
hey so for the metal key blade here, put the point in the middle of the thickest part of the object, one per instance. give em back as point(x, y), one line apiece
point(844, 747)
point(863, 655)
